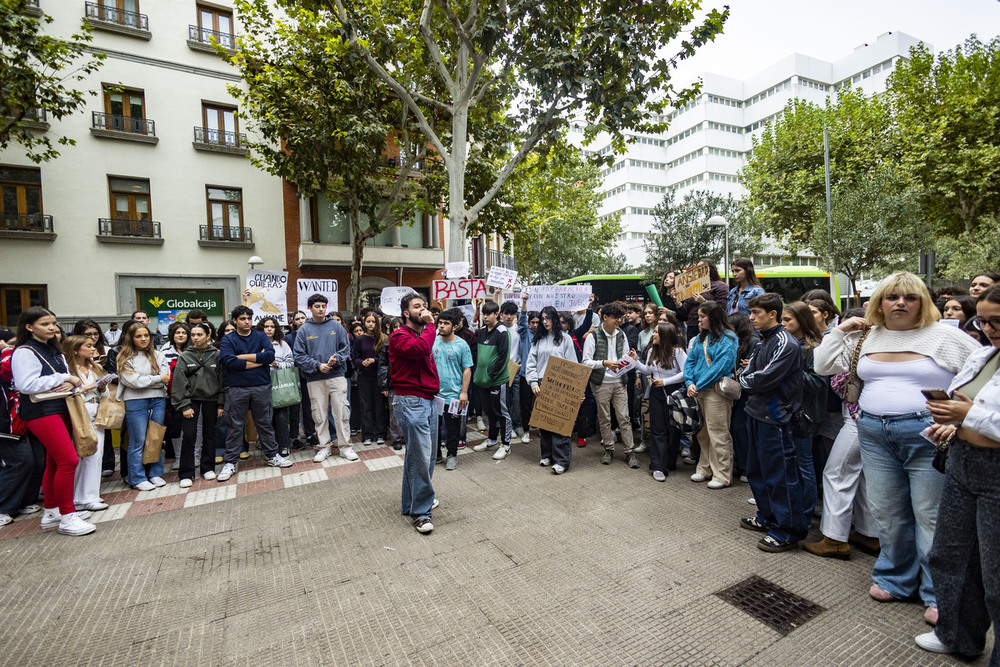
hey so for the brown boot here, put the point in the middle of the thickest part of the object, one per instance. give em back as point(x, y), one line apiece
point(828, 548)
point(865, 543)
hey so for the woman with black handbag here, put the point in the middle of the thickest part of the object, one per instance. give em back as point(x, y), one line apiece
point(665, 359)
point(43, 378)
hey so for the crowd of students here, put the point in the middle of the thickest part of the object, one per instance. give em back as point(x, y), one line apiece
point(849, 416)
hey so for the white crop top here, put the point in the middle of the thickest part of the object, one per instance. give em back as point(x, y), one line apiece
point(893, 387)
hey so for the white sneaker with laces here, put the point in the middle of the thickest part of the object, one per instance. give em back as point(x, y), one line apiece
point(176, 465)
point(558, 469)
point(929, 642)
point(228, 470)
point(210, 475)
point(348, 453)
point(144, 485)
point(72, 524)
point(434, 505)
point(479, 424)
point(716, 485)
point(698, 478)
point(321, 455)
point(484, 445)
point(526, 438)
point(279, 461)
point(30, 509)
point(5, 519)
point(185, 483)
point(545, 462)
point(501, 453)
point(157, 481)
point(640, 448)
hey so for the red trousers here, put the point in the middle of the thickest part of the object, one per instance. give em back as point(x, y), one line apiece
point(60, 461)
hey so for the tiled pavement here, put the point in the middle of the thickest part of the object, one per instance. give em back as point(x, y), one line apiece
point(600, 566)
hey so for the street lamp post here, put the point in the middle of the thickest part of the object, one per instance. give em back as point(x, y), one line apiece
point(719, 221)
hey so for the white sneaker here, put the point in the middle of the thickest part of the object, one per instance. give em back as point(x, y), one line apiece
point(525, 438)
point(228, 470)
point(380, 441)
point(321, 455)
point(366, 441)
point(558, 469)
point(716, 485)
point(72, 524)
point(484, 445)
point(92, 507)
point(434, 505)
point(144, 485)
point(158, 481)
point(176, 465)
point(929, 642)
point(279, 461)
point(185, 483)
point(479, 424)
point(501, 453)
point(519, 431)
point(348, 453)
point(210, 475)
point(545, 462)
point(640, 448)
point(5, 519)
point(698, 478)
point(752, 501)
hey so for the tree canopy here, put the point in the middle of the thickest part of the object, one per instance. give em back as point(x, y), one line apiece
point(39, 72)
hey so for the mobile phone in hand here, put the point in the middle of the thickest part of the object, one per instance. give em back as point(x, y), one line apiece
point(935, 394)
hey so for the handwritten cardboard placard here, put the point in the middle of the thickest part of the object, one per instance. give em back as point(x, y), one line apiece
point(456, 270)
point(558, 402)
point(268, 295)
point(471, 288)
point(693, 281)
point(562, 297)
point(389, 301)
point(306, 287)
point(501, 278)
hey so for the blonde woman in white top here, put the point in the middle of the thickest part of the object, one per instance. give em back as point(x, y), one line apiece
point(80, 352)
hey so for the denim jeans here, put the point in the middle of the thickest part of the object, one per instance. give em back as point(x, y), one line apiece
point(904, 491)
point(807, 473)
point(138, 412)
point(419, 420)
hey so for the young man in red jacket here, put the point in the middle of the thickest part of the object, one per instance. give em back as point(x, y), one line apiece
point(415, 381)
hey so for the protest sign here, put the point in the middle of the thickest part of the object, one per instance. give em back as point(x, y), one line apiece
point(268, 295)
point(561, 297)
point(471, 288)
point(501, 278)
point(558, 402)
point(469, 311)
point(514, 296)
point(693, 281)
point(623, 366)
point(456, 270)
point(306, 287)
point(390, 299)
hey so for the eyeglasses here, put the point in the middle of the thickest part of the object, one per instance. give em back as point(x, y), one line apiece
point(92, 334)
point(994, 323)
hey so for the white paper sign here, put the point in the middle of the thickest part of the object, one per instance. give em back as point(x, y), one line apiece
point(501, 277)
point(439, 405)
point(268, 295)
point(456, 270)
point(454, 409)
point(624, 366)
point(472, 288)
point(390, 299)
point(512, 296)
point(325, 286)
point(469, 311)
point(562, 297)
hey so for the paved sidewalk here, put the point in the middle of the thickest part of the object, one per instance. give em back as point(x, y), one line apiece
point(313, 565)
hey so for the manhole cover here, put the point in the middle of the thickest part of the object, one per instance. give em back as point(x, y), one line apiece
point(770, 604)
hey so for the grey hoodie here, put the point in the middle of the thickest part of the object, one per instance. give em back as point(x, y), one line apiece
point(315, 343)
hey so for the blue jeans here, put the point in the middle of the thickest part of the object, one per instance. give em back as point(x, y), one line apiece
point(139, 411)
point(807, 473)
point(774, 478)
point(419, 422)
point(904, 491)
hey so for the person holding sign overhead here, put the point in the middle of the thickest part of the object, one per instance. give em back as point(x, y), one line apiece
point(550, 341)
point(492, 376)
point(717, 291)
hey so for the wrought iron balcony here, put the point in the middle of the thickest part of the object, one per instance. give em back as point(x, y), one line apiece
point(205, 36)
point(106, 121)
point(118, 17)
point(26, 222)
point(115, 227)
point(393, 163)
point(220, 233)
point(204, 135)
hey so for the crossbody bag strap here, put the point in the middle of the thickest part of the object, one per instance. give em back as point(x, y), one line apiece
point(704, 347)
point(853, 372)
point(43, 360)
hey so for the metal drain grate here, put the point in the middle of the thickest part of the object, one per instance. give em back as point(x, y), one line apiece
point(770, 604)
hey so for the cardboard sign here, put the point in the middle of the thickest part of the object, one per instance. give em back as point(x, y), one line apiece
point(693, 281)
point(306, 287)
point(268, 295)
point(558, 403)
point(390, 299)
point(512, 369)
point(456, 270)
point(562, 297)
point(470, 288)
point(501, 278)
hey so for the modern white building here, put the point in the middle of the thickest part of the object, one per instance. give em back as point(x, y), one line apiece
point(708, 139)
point(157, 206)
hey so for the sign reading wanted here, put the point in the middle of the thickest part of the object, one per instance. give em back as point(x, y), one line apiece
point(693, 281)
point(558, 402)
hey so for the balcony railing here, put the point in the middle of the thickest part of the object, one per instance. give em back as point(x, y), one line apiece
point(495, 258)
point(393, 163)
point(25, 222)
point(115, 227)
point(220, 233)
point(117, 16)
point(204, 135)
point(106, 121)
point(205, 36)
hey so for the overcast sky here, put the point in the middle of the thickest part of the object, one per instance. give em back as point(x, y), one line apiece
point(760, 32)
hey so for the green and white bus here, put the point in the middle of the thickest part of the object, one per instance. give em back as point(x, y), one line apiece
point(791, 282)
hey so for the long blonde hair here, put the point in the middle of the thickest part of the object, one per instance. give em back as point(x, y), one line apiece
point(70, 346)
point(129, 351)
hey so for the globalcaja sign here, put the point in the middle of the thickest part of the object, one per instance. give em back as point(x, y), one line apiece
point(154, 302)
